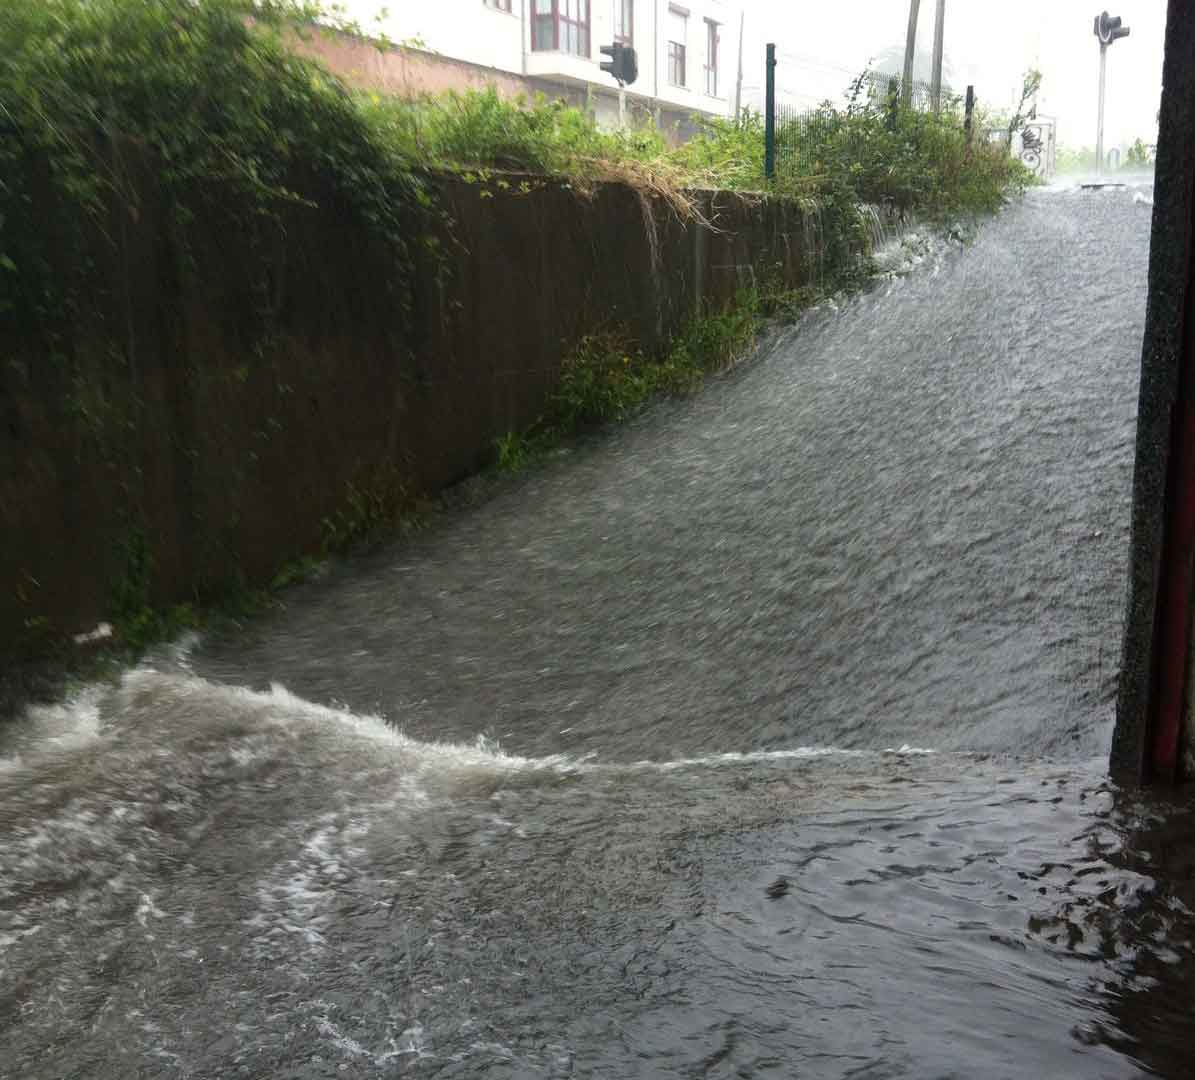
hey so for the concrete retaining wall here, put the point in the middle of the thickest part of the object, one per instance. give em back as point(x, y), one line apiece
point(158, 432)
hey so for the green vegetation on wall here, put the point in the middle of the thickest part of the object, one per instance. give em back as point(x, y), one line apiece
point(228, 113)
point(911, 159)
point(921, 163)
point(201, 119)
point(235, 118)
point(607, 376)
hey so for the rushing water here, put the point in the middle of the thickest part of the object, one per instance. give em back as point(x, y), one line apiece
point(762, 736)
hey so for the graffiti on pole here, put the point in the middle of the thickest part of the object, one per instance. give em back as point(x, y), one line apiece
point(1035, 145)
point(1038, 149)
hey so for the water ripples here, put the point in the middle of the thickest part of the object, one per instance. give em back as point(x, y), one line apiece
point(761, 736)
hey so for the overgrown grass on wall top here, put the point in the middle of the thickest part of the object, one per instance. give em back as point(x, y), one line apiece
point(921, 162)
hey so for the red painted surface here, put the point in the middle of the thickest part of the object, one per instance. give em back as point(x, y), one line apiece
point(1174, 621)
point(406, 72)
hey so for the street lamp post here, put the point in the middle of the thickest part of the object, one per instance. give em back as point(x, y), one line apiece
point(906, 90)
point(1108, 29)
point(936, 85)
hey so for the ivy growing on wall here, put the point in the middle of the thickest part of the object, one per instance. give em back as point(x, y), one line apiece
point(210, 96)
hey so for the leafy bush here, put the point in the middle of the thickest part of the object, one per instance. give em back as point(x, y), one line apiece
point(849, 155)
point(1139, 155)
point(1069, 159)
point(480, 129)
point(911, 160)
point(1075, 159)
point(607, 376)
point(726, 154)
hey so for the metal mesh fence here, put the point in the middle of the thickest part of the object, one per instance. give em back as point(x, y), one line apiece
point(800, 138)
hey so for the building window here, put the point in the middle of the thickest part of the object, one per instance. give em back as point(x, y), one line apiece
point(624, 22)
point(498, 5)
point(678, 34)
point(711, 58)
point(561, 26)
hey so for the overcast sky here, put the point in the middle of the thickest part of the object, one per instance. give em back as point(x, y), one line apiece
point(822, 43)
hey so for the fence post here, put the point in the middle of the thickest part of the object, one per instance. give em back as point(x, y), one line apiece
point(893, 101)
point(970, 112)
point(769, 124)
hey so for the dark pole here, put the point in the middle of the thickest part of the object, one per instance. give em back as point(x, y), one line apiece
point(893, 101)
point(1153, 710)
point(970, 115)
point(769, 130)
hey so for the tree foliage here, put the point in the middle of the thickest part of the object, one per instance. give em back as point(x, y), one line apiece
point(1140, 155)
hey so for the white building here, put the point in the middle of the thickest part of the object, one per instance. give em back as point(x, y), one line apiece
point(687, 50)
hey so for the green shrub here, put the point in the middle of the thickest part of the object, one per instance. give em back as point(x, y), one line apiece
point(725, 154)
point(607, 376)
point(851, 154)
point(603, 378)
point(480, 129)
point(1139, 155)
point(920, 163)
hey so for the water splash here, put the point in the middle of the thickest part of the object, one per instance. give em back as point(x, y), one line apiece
point(877, 230)
point(812, 239)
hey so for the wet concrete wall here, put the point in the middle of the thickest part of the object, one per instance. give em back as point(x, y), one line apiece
point(160, 445)
point(1154, 736)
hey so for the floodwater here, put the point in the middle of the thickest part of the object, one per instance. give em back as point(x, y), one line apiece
point(762, 736)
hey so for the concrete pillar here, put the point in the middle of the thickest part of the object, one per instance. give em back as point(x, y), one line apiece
point(1153, 713)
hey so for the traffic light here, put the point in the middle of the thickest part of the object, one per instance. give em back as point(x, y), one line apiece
point(622, 63)
point(1108, 28)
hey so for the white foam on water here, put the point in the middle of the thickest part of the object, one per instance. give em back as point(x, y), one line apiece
point(158, 701)
point(10, 938)
point(415, 760)
point(323, 862)
point(753, 757)
point(410, 1042)
point(68, 725)
point(283, 707)
point(342, 1042)
point(182, 649)
point(150, 707)
point(147, 908)
point(908, 252)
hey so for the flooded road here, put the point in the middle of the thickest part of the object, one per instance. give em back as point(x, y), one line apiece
point(762, 736)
